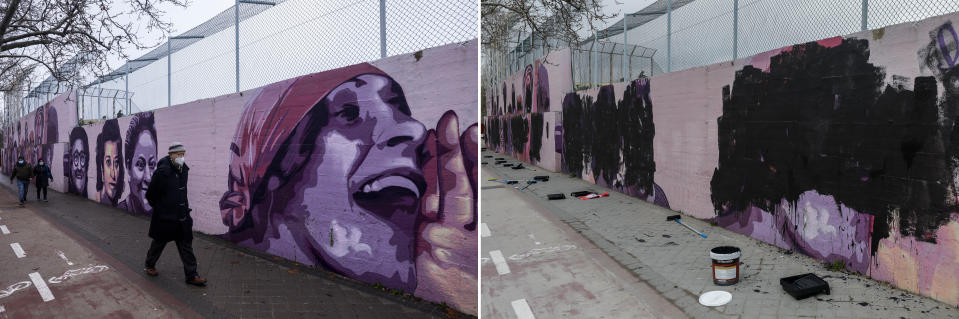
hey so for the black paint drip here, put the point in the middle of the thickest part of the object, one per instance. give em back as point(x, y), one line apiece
point(493, 129)
point(822, 119)
point(596, 132)
point(519, 128)
point(535, 136)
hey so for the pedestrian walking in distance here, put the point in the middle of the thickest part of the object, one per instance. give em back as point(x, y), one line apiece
point(44, 176)
point(22, 172)
point(167, 194)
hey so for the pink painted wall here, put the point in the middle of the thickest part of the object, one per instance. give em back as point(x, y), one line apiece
point(362, 158)
point(841, 149)
point(532, 95)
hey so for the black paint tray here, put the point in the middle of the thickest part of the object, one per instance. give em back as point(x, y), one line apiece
point(555, 196)
point(804, 286)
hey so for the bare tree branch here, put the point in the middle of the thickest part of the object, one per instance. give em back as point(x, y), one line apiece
point(48, 34)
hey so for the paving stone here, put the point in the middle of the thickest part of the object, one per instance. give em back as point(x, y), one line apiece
point(252, 287)
point(681, 259)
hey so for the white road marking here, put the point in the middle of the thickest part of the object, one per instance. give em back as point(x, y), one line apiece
point(64, 257)
point(484, 230)
point(76, 272)
point(501, 267)
point(18, 250)
point(4, 229)
point(41, 285)
point(13, 288)
point(522, 309)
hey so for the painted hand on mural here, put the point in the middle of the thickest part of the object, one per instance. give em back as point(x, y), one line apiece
point(446, 248)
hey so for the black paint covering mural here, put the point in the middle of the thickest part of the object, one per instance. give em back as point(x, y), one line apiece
point(823, 118)
point(597, 131)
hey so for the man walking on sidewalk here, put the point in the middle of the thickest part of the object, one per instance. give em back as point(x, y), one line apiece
point(22, 172)
point(167, 194)
point(44, 176)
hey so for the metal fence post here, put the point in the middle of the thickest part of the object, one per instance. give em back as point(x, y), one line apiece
point(594, 59)
point(625, 76)
point(865, 14)
point(735, 29)
point(669, 35)
point(169, 82)
point(236, 41)
point(382, 28)
point(99, 94)
point(126, 86)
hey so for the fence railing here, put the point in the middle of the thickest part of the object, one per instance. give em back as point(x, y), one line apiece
point(257, 42)
point(682, 34)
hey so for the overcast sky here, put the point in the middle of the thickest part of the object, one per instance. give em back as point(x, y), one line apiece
point(183, 19)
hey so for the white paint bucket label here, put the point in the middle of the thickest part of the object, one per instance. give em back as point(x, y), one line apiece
point(725, 272)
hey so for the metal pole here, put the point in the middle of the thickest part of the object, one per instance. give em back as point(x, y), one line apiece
point(236, 41)
point(99, 94)
point(169, 83)
point(382, 28)
point(736, 29)
point(625, 75)
point(669, 35)
point(865, 14)
point(126, 89)
point(594, 58)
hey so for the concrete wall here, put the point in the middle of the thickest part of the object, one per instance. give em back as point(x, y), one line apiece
point(522, 111)
point(374, 164)
point(844, 149)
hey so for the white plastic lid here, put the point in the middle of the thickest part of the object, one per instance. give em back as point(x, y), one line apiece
point(715, 298)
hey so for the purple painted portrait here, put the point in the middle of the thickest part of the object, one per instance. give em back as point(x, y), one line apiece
point(109, 164)
point(76, 161)
point(330, 170)
point(140, 160)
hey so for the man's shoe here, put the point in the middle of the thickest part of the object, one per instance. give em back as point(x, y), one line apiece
point(197, 281)
point(151, 271)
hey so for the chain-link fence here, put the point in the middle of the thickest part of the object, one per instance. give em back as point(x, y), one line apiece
point(681, 34)
point(275, 40)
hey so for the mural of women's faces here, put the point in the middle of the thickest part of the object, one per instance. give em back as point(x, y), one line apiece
point(109, 164)
point(140, 160)
point(76, 161)
point(352, 171)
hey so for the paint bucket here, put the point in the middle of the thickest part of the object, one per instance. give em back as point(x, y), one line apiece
point(725, 265)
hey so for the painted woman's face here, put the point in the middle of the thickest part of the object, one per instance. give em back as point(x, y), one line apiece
point(141, 168)
point(362, 187)
point(79, 165)
point(111, 169)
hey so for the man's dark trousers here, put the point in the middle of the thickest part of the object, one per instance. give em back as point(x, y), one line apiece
point(184, 246)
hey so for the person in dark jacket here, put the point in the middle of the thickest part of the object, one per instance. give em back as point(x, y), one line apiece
point(171, 221)
point(44, 176)
point(22, 172)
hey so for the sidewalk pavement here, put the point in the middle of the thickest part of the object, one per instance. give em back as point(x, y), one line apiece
point(532, 259)
point(676, 261)
point(242, 283)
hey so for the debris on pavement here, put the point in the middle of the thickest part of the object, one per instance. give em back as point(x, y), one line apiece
point(591, 196)
point(580, 193)
point(804, 286)
point(715, 298)
point(555, 196)
point(679, 220)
